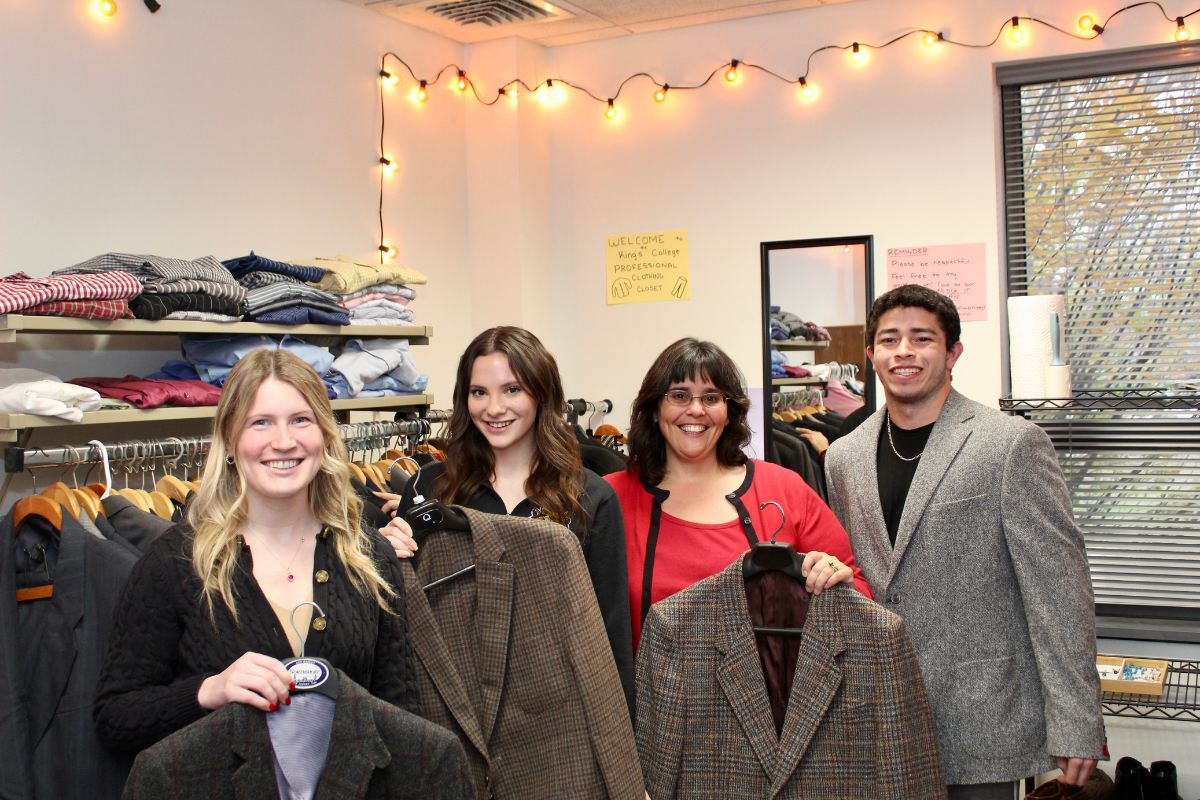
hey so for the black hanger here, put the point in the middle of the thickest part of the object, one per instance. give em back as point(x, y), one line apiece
point(309, 673)
point(776, 556)
point(431, 516)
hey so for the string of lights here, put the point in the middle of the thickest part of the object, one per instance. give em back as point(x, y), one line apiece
point(856, 51)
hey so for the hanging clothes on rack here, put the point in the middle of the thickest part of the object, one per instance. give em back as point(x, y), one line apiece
point(513, 658)
point(51, 651)
point(857, 722)
point(371, 750)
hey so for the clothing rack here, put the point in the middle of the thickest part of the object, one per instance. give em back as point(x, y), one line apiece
point(579, 406)
point(798, 397)
point(188, 450)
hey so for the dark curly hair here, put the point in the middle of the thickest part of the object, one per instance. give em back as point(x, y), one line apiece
point(687, 359)
point(912, 295)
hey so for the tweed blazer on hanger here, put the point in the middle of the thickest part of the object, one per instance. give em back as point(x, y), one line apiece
point(858, 722)
point(375, 751)
point(990, 574)
point(514, 658)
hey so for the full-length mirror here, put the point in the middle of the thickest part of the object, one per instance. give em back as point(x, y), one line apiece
point(816, 295)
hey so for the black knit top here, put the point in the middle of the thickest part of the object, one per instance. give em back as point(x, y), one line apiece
point(164, 644)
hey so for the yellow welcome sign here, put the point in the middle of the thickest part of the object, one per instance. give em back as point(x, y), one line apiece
point(648, 267)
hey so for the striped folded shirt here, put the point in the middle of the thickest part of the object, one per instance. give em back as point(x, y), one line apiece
point(254, 280)
point(275, 292)
point(153, 269)
point(228, 291)
point(382, 288)
point(202, 316)
point(18, 291)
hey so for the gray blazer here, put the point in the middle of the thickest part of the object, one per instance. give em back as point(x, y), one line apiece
point(990, 574)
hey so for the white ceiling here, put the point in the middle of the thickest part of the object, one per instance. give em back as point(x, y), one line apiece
point(585, 20)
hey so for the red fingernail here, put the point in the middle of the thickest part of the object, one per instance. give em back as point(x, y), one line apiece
point(274, 707)
point(292, 687)
point(288, 701)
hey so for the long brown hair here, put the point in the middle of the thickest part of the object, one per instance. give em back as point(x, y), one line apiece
point(554, 481)
point(219, 509)
point(693, 360)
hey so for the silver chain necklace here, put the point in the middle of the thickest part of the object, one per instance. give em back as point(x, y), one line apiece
point(893, 444)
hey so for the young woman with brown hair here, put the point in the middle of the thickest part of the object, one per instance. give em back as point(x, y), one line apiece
point(511, 452)
point(205, 616)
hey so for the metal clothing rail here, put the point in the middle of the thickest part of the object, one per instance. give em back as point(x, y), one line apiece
point(579, 406)
point(356, 435)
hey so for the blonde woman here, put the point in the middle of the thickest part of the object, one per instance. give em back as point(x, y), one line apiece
point(204, 619)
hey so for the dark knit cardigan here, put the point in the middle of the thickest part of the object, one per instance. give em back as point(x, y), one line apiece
point(164, 644)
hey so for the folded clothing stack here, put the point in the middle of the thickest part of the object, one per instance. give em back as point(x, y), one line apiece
point(210, 360)
point(277, 292)
point(373, 294)
point(376, 368)
point(152, 393)
point(102, 295)
point(28, 391)
point(173, 288)
point(786, 325)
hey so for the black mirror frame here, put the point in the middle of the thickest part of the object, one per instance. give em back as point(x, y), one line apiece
point(766, 248)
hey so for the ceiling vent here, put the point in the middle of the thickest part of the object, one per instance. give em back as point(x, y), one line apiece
point(494, 12)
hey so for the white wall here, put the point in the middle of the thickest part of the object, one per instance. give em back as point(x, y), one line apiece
point(903, 148)
point(218, 127)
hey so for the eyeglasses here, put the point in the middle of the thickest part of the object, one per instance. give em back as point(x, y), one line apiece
point(678, 397)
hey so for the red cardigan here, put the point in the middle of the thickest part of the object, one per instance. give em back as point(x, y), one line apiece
point(811, 525)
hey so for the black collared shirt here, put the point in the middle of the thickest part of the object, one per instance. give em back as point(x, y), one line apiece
point(603, 543)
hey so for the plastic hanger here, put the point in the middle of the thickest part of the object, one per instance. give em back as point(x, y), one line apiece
point(778, 557)
point(309, 673)
point(107, 470)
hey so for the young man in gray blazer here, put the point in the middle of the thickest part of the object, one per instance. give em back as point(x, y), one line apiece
point(960, 520)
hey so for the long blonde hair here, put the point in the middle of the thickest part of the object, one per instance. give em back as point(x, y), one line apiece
point(219, 510)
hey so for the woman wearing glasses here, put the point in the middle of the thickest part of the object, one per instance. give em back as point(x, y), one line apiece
point(691, 497)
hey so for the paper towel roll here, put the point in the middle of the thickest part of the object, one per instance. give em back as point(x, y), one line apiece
point(1029, 343)
point(1057, 382)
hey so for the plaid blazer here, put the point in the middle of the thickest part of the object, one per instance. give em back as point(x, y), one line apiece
point(514, 658)
point(858, 721)
point(375, 751)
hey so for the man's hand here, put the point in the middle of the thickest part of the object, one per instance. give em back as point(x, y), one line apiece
point(399, 535)
point(1076, 771)
point(815, 438)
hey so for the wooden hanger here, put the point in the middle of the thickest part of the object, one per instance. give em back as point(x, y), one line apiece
point(61, 494)
point(37, 505)
point(357, 472)
point(173, 488)
point(88, 503)
point(133, 497)
point(161, 505)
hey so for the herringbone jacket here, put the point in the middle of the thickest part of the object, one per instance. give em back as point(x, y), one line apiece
point(858, 721)
point(375, 751)
point(514, 658)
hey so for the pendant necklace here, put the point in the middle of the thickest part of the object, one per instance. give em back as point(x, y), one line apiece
point(286, 567)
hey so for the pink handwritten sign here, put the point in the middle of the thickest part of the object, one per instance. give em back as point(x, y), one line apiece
point(955, 270)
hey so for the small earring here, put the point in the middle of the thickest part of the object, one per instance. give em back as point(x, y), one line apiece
point(229, 460)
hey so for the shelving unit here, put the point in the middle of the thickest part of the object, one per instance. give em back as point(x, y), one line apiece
point(799, 344)
point(798, 382)
point(12, 325)
point(1180, 699)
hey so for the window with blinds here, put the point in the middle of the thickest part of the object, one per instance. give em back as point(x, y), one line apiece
point(1102, 202)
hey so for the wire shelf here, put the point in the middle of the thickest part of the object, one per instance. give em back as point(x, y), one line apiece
point(1118, 400)
point(1180, 699)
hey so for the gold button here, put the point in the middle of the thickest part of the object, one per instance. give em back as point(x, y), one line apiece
point(319, 624)
point(322, 576)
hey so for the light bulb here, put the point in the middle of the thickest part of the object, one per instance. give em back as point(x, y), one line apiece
point(661, 94)
point(389, 77)
point(1087, 22)
point(807, 92)
point(611, 112)
point(846, 249)
point(1015, 33)
point(731, 73)
point(931, 38)
point(1182, 34)
point(856, 54)
point(551, 92)
point(107, 7)
point(462, 81)
point(511, 91)
point(392, 165)
point(422, 95)
point(388, 250)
